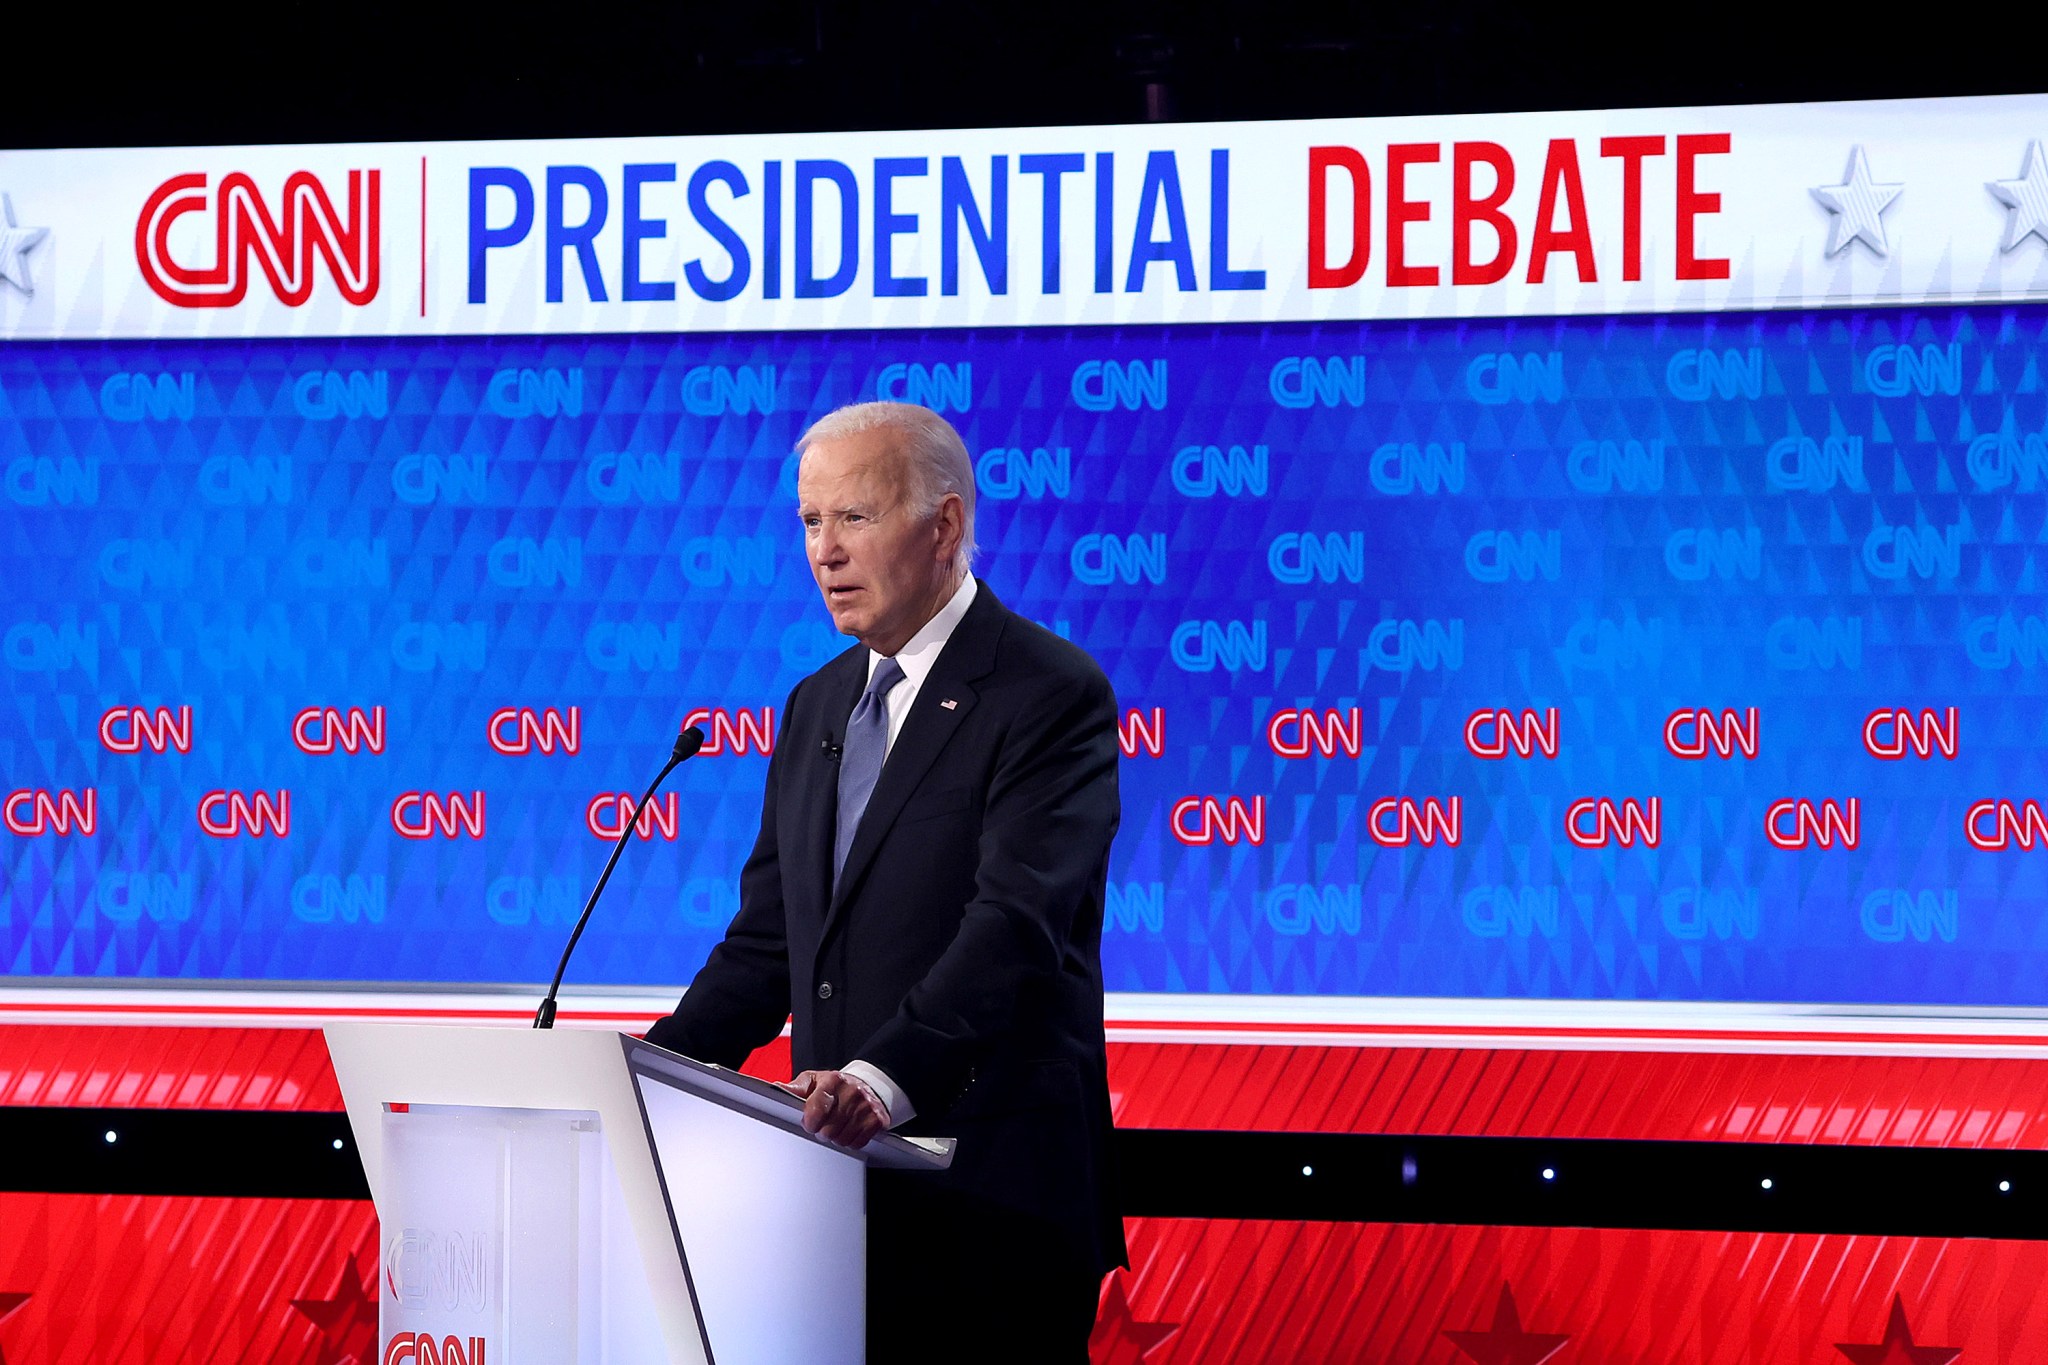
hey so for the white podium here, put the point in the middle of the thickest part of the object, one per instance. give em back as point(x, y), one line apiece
point(581, 1196)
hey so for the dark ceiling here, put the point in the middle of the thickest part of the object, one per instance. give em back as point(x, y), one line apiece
point(291, 72)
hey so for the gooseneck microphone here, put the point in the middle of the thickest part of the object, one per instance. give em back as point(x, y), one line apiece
point(687, 744)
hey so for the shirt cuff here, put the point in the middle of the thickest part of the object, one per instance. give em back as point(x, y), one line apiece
point(898, 1104)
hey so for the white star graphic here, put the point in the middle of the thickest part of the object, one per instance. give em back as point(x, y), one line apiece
point(2026, 199)
point(15, 244)
point(1857, 207)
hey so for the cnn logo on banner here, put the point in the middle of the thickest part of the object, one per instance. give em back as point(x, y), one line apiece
point(307, 228)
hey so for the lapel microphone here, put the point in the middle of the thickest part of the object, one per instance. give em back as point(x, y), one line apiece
point(686, 745)
point(831, 748)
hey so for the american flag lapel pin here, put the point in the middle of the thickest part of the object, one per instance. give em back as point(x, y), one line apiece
point(949, 704)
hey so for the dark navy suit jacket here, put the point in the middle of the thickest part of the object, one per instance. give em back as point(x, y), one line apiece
point(961, 953)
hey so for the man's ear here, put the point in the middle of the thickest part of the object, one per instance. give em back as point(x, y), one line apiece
point(951, 522)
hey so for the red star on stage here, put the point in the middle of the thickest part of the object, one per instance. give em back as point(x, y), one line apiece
point(1119, 1338)
point(1505, 1343)
point(1897, 1348)
point(347, 1322)
point(8, 1303)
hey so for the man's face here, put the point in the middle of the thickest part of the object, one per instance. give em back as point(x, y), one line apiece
point(883, 570)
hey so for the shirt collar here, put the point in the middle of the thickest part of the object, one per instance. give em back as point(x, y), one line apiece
point(918, 656)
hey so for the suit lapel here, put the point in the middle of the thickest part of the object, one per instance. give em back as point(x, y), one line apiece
point(942, 704)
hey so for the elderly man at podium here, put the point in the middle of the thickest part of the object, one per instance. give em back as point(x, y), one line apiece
point(925, 899)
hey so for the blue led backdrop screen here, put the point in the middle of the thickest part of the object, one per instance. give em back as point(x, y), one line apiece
point(1662, 658)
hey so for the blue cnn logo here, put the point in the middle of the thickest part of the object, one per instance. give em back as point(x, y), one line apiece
point(805, 646)
point(1802, 464)
point(1105, 385)
point(324, 395)
point(65, 481)
point(423, 480)
point(1695, 376)
point(1205, 646)
point(1611, 466)
point(147, 563)
point(514, 900)
point(535, 393)
point(246, 480)
point(1893, 916)
point(1497, 556)
point(1895, 371)
point(130, 897)
point(1305, 557)
point(149, 397)
point(722, 561)
point(1099, 559)
point(1511, 912)
point(1134, 907)
point(439, 647)
point(715, 390)
point(1398, 646)
point(321, 898)
point(1996, 461)
point(1509, 378)
point(634, 647)
point(1607, 644)
point(1297, 908)
point(1799, 643)
point(1011, 472)
point(2004, 640)
point(37, 647)
point(1696, 914)
point(1400, 469)
point(708, 902)
point(1695, 555)
point(1233, 471)
point(523, 562)
point(1307, 381)
point(1895, 552)
point(618, 478)
point(321, 562)
point(260, 646)
point(942, 388)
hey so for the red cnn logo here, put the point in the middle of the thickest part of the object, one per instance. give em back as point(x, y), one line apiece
point(1525, 733)
point(1892, 734)
point(1297, 734)
point(1134, 732)
point(285, 247)
point(523, 730)
point(130, 730)
point(322, 729)
point(1228, 821)
point(427, 815)
point(1428, 821)
point(225, 815)
point(1690, 733)
point(31, 812)
point(607, 813)
point(1802, 824)
point(2021, 824)
point(1628, 823)
point(419, 1348)
point(735, 731)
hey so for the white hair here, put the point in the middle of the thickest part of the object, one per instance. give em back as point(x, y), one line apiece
point(935, 458)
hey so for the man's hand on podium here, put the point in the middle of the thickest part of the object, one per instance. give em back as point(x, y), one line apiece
point(839, 1107)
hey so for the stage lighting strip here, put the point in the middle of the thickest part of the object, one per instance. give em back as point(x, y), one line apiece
point(1134, 1018)
point(1532, 1182)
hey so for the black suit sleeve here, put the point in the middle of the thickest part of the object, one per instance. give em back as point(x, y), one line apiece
point(740, 998)
point(1051, 813)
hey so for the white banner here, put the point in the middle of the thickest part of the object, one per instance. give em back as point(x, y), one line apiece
point(1747, 207)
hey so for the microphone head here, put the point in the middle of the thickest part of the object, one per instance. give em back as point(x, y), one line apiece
point(688, 743)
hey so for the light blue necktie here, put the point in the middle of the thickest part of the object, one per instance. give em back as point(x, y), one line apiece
point(860, 757)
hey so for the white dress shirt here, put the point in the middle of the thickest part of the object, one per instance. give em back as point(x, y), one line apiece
point(916, 659)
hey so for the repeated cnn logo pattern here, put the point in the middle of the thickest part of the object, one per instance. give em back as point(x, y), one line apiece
point(1650, 658)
